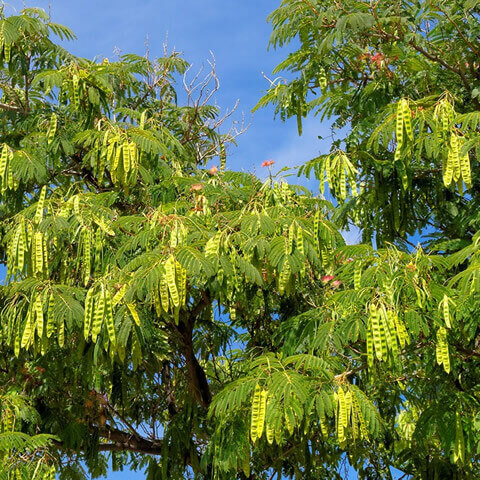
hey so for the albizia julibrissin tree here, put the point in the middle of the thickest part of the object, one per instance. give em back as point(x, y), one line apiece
point(159, 314)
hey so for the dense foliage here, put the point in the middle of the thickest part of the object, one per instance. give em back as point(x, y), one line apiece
point(362, 62)
point(197, 321)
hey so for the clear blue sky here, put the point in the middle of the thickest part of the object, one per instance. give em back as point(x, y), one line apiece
point(235, 31)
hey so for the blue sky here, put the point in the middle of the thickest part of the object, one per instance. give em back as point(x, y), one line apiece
point(235, 31)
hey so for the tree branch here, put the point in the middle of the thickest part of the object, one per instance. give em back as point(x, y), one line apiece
point(10, 108)
point(122, 441)
point(198, 378)
point(465, 39)
point(432, 57)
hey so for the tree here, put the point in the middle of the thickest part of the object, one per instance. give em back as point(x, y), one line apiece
point(161, 314)
point(361, 63)
point(401, 80)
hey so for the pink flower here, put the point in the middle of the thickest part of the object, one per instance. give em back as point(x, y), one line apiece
point(213, 170)
point(267, 163)
point(336, 283)
point(326, 278)
point(196, 187)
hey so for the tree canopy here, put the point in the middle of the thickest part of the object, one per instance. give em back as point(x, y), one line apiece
point(161, 313)
point(361, 64)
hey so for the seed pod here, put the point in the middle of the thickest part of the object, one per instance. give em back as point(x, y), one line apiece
point(399, 123)
point(50, 318)
point(407, 119)
point(52, 128)
point(171, 281)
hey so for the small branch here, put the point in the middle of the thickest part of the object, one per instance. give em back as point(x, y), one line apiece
point(124, 420)
point(122, 441)
point(434, 58)
point(10, 108)
point(349, 372)
point(311, 7)
point(465, 39)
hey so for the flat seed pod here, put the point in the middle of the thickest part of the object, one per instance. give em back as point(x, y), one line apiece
point(316, 229)
point(134, 313)
point(88, 319)
point(370, 345)
point(223, 157)
point(455, 159)
point(39, 322)
point(98, 251)
point(357, 276)
point(376, 331)
point(109, 317)
point(348, 407)
point(40, 206)
point(117, 298)
point(7, 50)
point(399, 122)
point(291, 237)
point(156, 301)
point(343, 184)
point(38, 248)
point(87, 266)
point(171, 281)
point(27, 332)
point(448, 167)
point(392, 333)
point(98, 314)
point(17, 341)
point(164, 294)
point(270, 434)
point(328, 171)
point(386, 339)
point(116, 158)
point(126, 157)
point(15, 250)
point(341, 415)
point(182, 283)
point(212, 247)
point(3, 161)
point(133, 155)
point(401, 332)
point(446, 311)
point(110, 153)
point(76, 93)
point(52, 128)
point(407, 119)
point(61, 332)
point(50, 318)
point(259, 404)
point(441, 350)
point(10, 179)
point(466, 171)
